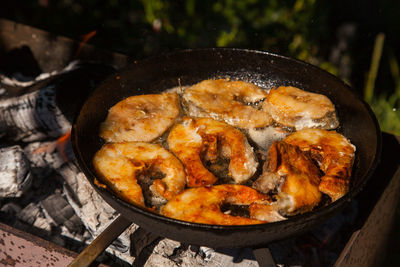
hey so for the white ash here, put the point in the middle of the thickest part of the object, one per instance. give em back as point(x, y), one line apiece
point(33, 116)
point(172, 253)
point(233, 258)
point(22, 81)
point(164, 254)
point(94, 212)
point(15, 174)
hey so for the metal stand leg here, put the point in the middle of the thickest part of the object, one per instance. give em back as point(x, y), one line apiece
point(264, 257)
point(90, 253)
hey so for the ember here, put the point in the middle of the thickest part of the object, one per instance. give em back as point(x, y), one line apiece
point(85, 39)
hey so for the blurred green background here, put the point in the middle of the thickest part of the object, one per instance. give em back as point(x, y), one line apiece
point(358, 41)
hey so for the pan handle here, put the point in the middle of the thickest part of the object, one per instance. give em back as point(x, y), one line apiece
point(91, 252)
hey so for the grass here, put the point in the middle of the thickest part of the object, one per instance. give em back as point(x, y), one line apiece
point(384, 105)
point(387, 112)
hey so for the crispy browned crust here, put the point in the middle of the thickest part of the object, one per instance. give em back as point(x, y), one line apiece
point(335, 187)
point(203, 204)
point(302, 176)
point(335, 156)
point(336, 180)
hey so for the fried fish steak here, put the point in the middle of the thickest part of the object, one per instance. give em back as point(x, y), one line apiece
point(299, 109)
point(293, 174)
point(334, 154)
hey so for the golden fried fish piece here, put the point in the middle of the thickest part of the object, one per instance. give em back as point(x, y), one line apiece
point(292, 173)
point(120, 165)
point(140, 118)
point(299, 109)
point(334, 154)
point(203, 204)
point(196, 140)
point(235, 102)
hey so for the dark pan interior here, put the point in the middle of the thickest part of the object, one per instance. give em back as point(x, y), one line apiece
point(187, 67)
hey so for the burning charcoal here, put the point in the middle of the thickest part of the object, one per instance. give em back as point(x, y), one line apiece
point(15, 172)
point(33, 219)
point(9, 211)
point(61, 213)
point(11, 208)
point(33, 216)
point(46, 109)
point(45, 157)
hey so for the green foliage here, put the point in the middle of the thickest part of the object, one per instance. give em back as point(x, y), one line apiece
point(386, 109)
point(384, 105)
point(281, 26)
point(387, 106)
point(141, 28)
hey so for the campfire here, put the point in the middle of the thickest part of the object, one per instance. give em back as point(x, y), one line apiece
point(43, 192)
